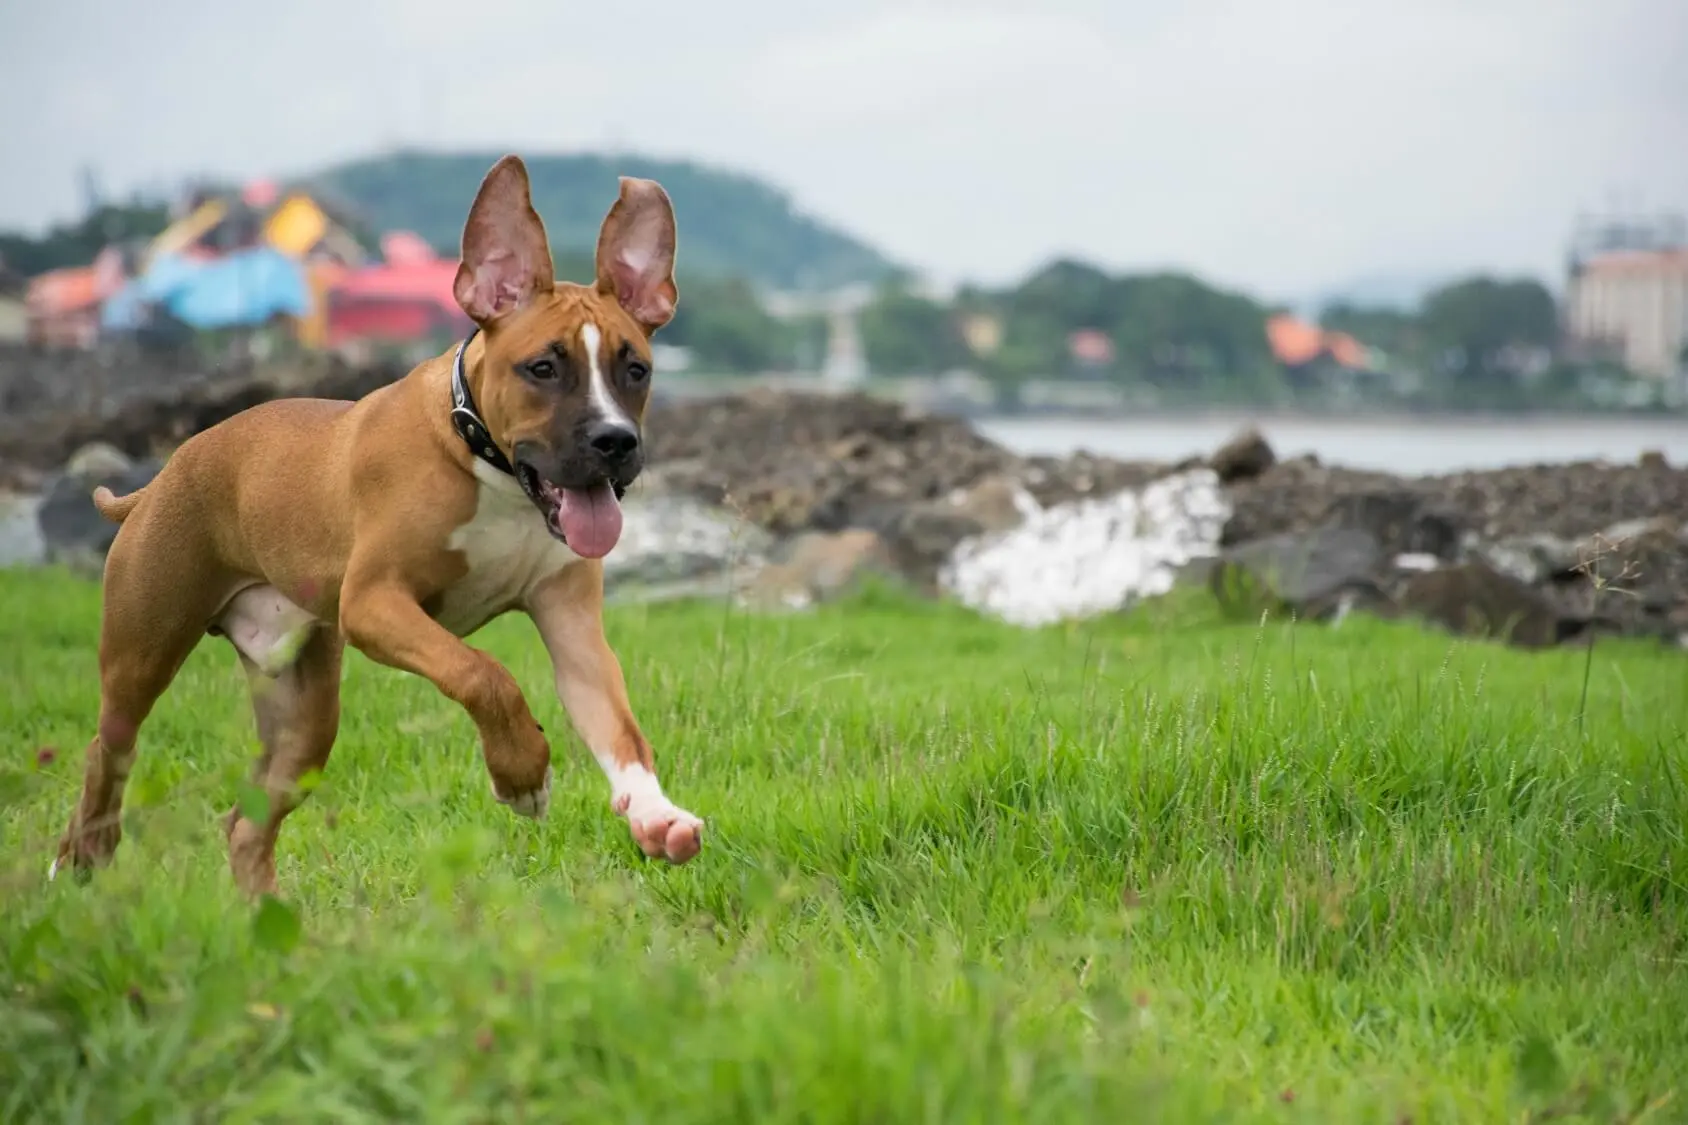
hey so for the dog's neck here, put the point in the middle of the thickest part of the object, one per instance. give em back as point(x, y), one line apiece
point(466, 419)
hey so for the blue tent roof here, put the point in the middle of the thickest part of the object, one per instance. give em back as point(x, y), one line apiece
point(242, 289)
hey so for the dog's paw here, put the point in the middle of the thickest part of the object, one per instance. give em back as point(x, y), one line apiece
point(662, 829)
point(533, 804)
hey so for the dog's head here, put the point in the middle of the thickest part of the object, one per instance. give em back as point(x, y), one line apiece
point(565, 373)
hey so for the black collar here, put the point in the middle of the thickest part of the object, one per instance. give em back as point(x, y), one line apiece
point(466, 420)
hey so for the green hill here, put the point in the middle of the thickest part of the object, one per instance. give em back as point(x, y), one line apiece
point(731, 225)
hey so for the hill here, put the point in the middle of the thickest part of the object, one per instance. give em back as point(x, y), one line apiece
point(731, 224)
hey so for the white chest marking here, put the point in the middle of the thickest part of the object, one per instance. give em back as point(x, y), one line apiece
point(598, 387)
point(508, 549)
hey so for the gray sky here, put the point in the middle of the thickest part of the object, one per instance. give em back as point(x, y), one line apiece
point(1278, 145)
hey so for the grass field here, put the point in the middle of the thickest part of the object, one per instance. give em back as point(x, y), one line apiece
point(1159, 868)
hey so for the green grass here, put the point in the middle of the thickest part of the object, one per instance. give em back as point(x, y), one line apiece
point(1157, 868)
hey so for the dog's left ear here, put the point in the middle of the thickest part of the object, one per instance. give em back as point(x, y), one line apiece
point(506, 257)
point(636, 253)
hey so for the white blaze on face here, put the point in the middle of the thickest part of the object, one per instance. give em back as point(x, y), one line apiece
point(598, 387)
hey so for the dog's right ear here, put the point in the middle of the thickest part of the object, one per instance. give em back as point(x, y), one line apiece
point(506, 257)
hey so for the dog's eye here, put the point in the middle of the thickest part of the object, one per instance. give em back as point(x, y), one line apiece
point(638, 372)
point(542, 369)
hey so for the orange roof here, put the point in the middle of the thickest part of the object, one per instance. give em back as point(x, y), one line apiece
point(64, 291)
point(1348, 351)
point(1294, 341)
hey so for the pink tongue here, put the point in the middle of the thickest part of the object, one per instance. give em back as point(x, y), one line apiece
point(591, 520)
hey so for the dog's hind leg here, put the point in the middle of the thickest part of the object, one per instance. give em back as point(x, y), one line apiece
point(158, 599)
point(297, 708)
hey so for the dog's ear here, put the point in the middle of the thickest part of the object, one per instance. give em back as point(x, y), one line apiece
point(636, 253)
point(506, 258)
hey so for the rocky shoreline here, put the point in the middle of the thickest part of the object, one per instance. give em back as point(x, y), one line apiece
point(787, 498)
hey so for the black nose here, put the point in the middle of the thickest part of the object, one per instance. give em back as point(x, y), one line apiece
point(614, 441)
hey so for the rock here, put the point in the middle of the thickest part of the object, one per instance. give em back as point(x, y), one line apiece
point(139, 402)
point(1296, 569)
point(1029, 538)
point(794, 462)
point(817, 567)
point(1052, 481)
point(674, 540)
point(1244, 456)
point(1400, 520)
point(995, 503)
point(1089, 556)
point(21, 541)
point(97, 459)
point(1653, 459)
point(921, 537)
point(1474, 599)
point(75, 533)
point(1562, 500)
point(1532, 559)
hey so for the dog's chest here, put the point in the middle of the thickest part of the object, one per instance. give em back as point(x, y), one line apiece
point(508, 551)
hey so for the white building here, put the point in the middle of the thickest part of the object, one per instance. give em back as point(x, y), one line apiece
point(1627, 292)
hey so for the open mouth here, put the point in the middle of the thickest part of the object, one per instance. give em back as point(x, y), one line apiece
point(588, 520)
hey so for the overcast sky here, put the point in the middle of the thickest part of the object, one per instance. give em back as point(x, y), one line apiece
point(1278, 145)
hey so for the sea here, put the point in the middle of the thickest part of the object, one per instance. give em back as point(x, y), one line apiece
point(1403, 446)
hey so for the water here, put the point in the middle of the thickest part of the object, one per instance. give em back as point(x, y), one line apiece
point(1410, 447)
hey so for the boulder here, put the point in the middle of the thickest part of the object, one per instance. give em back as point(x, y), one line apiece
point(1090, 556)
point(72, 529)
point(678, 544)
point(1296, 569)
point(920, 537)
point(1474, 599)
point(1400, 520)
point(1245, 456)
point(818, 566)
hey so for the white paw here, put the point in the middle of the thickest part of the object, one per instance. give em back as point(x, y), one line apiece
point(53, 870)
point(532, 805)
point(660, 827)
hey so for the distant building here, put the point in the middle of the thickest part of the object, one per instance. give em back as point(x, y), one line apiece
point(1299, 345)
point(1090, 349)
point(62, 307)
point(1632, 303)
point(14, 321)
point(982, 332)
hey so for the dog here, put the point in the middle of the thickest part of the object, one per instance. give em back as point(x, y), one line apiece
point(486, 480)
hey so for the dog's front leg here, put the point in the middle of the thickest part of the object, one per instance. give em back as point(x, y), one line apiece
point(568, 613)
point(385, 623)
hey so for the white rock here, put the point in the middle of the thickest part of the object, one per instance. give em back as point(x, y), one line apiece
point(662, 526)
point(1090, 556)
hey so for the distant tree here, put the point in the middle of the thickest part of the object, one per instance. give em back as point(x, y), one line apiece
point(1391, 330)
point(904, 333)
point(1475, 320)
point(731, 224)
point(1066, 295)
point(1165, 327)
point(1171, 327)
point(76, 244)
point(727, 329)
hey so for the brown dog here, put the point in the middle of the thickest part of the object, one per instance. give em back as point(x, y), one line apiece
point(484, 481)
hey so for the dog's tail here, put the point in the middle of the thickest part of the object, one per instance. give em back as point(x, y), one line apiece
point(114, 507)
